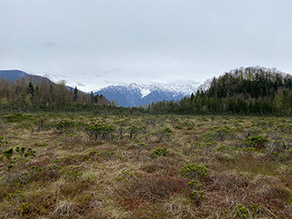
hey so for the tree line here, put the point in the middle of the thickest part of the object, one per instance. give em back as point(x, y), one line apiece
point(249, 91)
point(23, 93)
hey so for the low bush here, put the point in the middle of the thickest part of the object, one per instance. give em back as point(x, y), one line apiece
point(194, 171)
point(65, 126)
point(258, 142)
point(100, 131)
point(159, 152)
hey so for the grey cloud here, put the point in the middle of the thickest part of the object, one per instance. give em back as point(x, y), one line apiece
point(140, 41)
point(50, 44)
point(111, 71)
point(80, 84)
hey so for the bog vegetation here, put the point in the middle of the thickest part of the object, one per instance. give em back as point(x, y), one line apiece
point(67, 154)
point(86, 165)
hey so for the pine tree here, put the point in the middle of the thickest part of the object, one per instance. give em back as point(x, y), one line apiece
point(75, 94)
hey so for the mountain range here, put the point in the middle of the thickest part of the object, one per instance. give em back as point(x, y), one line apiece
point(13, 75)
point(133, 94)
point(130, 95)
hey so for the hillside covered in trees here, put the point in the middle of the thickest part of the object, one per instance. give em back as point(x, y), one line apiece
point(28, 93)
point(251, 91)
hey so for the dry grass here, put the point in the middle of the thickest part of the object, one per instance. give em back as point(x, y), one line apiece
point(81, 178)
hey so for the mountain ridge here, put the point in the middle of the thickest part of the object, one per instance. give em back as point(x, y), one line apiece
point(134, 94)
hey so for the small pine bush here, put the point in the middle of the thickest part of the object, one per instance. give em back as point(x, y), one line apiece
point(194, 171)
point(159, 152)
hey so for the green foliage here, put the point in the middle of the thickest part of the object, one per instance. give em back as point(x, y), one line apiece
point(41, 144)
point(71, 173)
point(2, 142)
point(17, 193)
point(258, 142)
point(194, 171)
point(92, 152)
point(159, 152)
point(197, 192)
point(247, 91)
point(109, 152)
point(24, 209)
point(188, 125)
point(198, 196)
point(100, 131)
point(36, 168)
point(65, 126)
point(134, 130)
point(15, 117)
point(18, 157)
point(223, 132)
point(240, 211)
point(126, 175)
point(254, 209)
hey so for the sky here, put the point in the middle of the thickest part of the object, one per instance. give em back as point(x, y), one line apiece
point(94, 43)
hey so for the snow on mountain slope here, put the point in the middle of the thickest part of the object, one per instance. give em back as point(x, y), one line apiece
point(133, 94)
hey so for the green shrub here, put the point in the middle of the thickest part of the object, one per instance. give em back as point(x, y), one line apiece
point(133, 130)
point(15, 194)
point(41, 144)
point(16, 117)
point(2, 142)
point(109, 152)
point(197, 192)
point(159, 152)
point(240, 211)
point(223, 132)
point(17, 157)
point(92, 152)
point(65, 126)
point(71, 173)
point(24, 209)
point(100, 131)
point(194, 171)
point(258, 142)
point(197, 196)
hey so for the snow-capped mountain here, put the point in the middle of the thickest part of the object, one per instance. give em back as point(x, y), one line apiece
point(133, 94)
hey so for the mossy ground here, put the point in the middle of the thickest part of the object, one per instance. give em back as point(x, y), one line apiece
point(80, 177)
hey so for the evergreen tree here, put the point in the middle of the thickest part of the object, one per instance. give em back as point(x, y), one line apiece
point(75, 94)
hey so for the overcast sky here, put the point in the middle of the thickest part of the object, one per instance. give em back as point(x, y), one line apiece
point(93, 43)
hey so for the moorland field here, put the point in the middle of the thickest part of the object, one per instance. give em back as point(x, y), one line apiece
point(86, 165)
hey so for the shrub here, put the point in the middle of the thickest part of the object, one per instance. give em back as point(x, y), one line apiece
point(240, 211)
point(15, 117)
point(17, 193)
point(223, 132)
point(159, 152)
point(194, 171)
point(258, 142)
point(135, 130)
point(92, 152)
point(65, 126)
point(164, 133)
point(24, 209)
point(197, 192)
point(100, 131)
point(197, 196)
point(17, 157)
point(2, 142)
point(109, 152)
point(71, 173)
point(140, 147)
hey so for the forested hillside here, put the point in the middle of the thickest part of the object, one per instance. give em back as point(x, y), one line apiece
point(253, 91)
point(25, 94)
